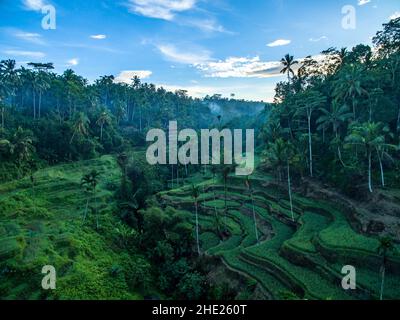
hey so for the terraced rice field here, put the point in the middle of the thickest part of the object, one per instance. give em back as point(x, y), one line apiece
point(303, 256)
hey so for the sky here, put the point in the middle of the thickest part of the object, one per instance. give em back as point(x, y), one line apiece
point(202, 46)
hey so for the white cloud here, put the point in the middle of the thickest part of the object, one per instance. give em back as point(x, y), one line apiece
point(28, 54)
point(363, 2)
point(29, 36)
point(98, 36)
point(35, 5)
point(241, 67)
point(279, 42)
point(231, 67)
point(171, 53)
point(318, 39)
point(395, 15)
point(73, 62)
point(127, 75)
point(160, 9)
point(207, 25)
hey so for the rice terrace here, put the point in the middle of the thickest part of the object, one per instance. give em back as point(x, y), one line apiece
point(191, 157)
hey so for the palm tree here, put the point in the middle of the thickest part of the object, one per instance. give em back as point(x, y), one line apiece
point(349, 85)
point(250, 189)
point(3, 94)
point(41, 82)
point(42, 85)
point(80, 125)
point(281, 153)
point(309, 101)
point(288, 62)
point(8, 82)
point(370, 136)
point(195, 196)
point(22, 145)
point(90, 181)
point(335, 118)
point(103, 119)
point(385, 246)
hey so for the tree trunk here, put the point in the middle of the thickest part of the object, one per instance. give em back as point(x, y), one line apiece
point(197, 228)
point(226, 207)
point(34, 104)
point(2, 117)
point(383, 282)
point(40, 103)
point(310, 145)
point(86, 209)
point(101, 132)
point(140, 119)
point(290, 190)
point(254, 217)
point(381, 167)
point(97, 211)
point(370, 171)
point(398, 120)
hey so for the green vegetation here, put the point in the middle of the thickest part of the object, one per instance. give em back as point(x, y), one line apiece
point(76, 191)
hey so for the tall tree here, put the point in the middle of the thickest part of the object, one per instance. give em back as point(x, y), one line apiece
point(371, 137)
point(385, 246)
point(288, 62)
point(308, 102)
point(103, 119)
point(80, 125)
point(195, 196)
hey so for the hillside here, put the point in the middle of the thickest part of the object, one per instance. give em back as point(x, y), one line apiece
point(43, 225)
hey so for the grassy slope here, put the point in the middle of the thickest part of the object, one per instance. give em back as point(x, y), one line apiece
point(44, 226)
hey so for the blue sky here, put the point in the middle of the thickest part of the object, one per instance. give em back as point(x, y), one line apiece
point(203, 46)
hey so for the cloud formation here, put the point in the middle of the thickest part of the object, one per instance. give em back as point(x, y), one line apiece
point(279, 42)
point(30, 37)
point(363, 2)
point(73, 62)
point(22, 53)
point(34, 5)
point(171, 53)
point(127, 75)
point(241, 67)
point(318, 39)
point(160, 9)
point(98, 36)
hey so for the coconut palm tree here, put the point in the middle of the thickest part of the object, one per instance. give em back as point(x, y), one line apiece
point(309, 101)
point(80, 126)
point(370, 136)
point(338, 115)
point(385, 246)
point(90, 181)
point(349, 85)
point(288, 62)
point(250, 189)
point(22, 145)
point(41, 80)
point(104, 118)
point(8, 82)
point(195, 196)
point(281, 153)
